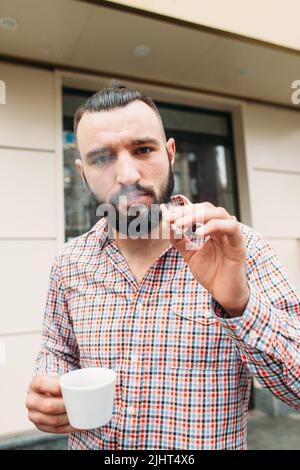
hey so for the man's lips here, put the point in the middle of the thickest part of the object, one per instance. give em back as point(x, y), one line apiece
point(135, 195)
point(130, 198)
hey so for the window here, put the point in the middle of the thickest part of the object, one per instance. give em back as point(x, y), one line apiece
point(204, 163)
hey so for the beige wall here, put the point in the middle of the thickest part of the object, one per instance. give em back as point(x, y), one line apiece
point(272, 140)
point(31, 183)
point(30, 229)
point(276, 22)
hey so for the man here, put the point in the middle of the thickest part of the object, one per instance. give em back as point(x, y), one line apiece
point(185, 320)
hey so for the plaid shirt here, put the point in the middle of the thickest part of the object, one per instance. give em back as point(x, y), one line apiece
point(183, 367)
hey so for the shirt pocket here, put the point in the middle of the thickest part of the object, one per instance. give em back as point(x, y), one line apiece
point(197, 339)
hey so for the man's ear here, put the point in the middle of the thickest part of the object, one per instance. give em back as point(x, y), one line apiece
point(171, 148)
point(79, 166)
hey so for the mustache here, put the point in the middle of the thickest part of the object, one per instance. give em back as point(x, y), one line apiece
point(129, 189)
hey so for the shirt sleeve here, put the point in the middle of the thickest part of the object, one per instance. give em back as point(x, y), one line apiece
point(59, 351)
point(267, 334)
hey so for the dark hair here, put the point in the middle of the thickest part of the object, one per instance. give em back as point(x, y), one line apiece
point(117, 95)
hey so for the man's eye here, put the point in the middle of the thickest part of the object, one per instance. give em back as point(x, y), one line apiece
point(144, 150)
point(103, 159)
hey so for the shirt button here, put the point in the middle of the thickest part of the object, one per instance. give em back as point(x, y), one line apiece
point(134, 358)
point(253, 335)
point(130, 410)
point(139, 306)
point(207, 314)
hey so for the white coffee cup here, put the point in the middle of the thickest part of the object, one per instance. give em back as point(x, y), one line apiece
point(88, 395)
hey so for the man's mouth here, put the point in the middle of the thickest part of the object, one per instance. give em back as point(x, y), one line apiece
point(135, 195)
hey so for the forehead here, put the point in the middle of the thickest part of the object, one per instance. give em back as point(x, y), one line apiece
point(119, 125)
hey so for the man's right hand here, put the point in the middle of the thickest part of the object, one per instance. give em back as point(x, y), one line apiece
point(45, 405)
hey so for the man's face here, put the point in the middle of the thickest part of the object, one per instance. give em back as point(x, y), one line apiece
point(125, 158)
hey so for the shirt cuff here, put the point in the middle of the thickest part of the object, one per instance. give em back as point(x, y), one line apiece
point(49, 364)
point(256, 327)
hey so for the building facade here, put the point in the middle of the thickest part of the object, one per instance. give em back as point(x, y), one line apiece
point(253, 143)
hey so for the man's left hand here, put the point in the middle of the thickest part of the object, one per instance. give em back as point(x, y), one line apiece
point(219, 265)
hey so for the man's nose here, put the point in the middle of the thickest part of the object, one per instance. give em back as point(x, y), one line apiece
point(126, 169)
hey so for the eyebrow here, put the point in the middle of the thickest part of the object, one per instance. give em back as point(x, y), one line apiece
point(145, 140)
point(106, 149)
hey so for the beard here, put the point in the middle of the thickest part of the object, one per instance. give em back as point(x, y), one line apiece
point(144, 219)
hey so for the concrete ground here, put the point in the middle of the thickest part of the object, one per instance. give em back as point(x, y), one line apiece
point(265, 432)
point(273, 432)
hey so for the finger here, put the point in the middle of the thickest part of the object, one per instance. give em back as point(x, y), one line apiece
point(45, 405)
point(168, 211)
point(57, 430)
point(46, 384)
point(199, 214)
point(164, 209)
point(46, 420)
point(218, 227)
point(181, 211)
